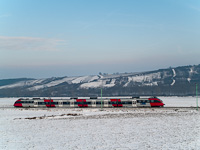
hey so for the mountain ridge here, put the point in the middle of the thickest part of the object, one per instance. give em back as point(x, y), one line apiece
point(178, 81)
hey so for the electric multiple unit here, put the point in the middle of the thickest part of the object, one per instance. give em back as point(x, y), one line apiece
point(90, 102)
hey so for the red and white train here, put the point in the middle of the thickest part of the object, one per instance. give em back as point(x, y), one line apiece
point(90, 102)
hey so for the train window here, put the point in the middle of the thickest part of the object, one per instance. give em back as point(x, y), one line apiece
point(99, 103)
point(124, 102)
point(155, 101)
point(82, 102)
point(66, 103)
point(40, 103)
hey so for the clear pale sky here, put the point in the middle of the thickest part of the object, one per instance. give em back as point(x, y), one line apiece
point(54, 38)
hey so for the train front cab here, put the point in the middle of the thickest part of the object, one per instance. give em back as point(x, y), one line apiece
point(18, 103)
point(156, 102)
point(24, 103)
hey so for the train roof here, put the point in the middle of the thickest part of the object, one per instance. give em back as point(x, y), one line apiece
point(98, 98)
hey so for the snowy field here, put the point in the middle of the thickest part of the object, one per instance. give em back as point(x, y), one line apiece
point(110, 129)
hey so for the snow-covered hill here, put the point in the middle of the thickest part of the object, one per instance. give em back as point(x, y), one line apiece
point(170, 77)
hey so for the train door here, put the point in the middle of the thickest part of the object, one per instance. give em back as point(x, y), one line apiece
point(35, 103)
point(26, 104)
point(72, 103)
point(105, 103)
point(60, 103)
point(134, 103)
point(93, 103)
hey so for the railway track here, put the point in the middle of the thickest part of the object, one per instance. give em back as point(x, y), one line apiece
point(170, 107)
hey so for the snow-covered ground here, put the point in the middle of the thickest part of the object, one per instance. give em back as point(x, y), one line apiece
point(110, 129)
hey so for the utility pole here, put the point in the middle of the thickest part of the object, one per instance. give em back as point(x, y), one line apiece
point(101, 100)
point(197, 95)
